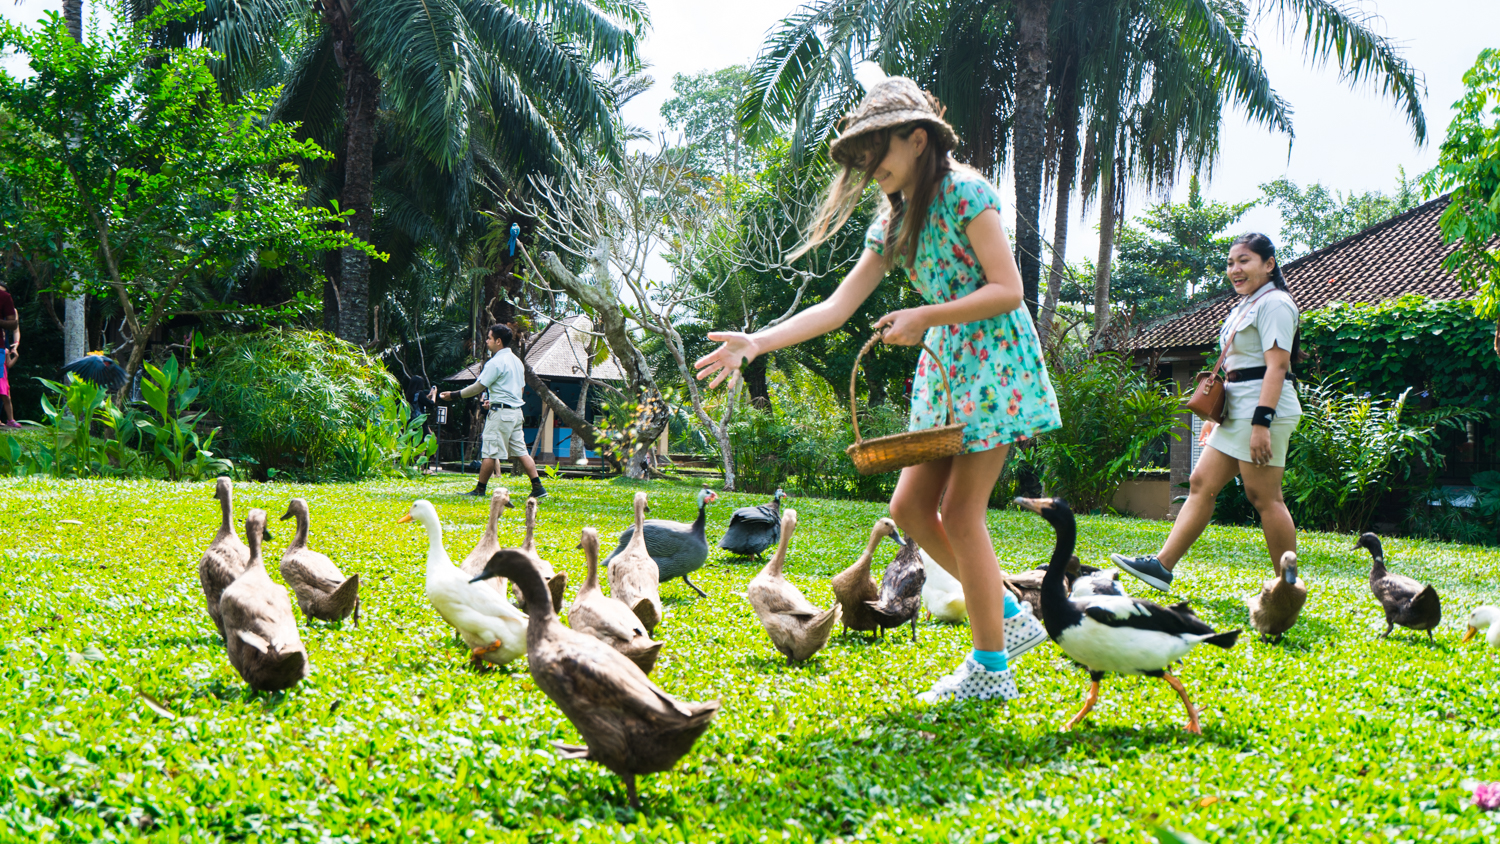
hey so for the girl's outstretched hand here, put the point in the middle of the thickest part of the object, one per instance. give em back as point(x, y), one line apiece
point(736, 349)
point(901, 328)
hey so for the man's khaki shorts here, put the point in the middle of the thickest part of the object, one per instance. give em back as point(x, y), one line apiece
point(503, 435)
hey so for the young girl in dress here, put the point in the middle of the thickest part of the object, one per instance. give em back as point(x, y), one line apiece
point(940, 223)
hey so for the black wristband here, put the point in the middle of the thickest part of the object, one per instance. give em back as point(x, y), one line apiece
point(1263, 416)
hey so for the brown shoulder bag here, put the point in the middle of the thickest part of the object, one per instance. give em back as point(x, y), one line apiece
point(1207, 401)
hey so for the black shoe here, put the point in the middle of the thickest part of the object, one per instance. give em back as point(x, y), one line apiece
point(1148, 569)
point(474, 493)
point(537, 491)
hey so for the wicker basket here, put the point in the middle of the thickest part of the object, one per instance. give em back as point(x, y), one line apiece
point(897, 451)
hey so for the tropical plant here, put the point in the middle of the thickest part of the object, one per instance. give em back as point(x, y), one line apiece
point(1112, 416)
point(290, 398)
point(170, 390)
point(170, 188)
point(459, 91)
point(391, 442)
point(1351, 450)
point(69, 447)
point(1469, 169)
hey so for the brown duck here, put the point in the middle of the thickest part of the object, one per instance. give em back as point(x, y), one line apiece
point(260, 628)
point(489, 542)
point(607, 619)
point(628, 724)
point(1406, 601)
point(557, 582)
point(322, 590)
point(901, 589)
point(796, 627)
point(633, 575)
point(226, 557)
point(1275, 609)
point(855, 589)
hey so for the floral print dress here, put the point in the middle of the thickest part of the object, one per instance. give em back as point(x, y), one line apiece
point(1001, 391)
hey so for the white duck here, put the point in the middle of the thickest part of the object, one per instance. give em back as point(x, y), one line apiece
point(1485, 617)
point(494, 630)
point(942, 593)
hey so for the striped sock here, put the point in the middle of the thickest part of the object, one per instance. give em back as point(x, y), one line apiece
point(992, 660)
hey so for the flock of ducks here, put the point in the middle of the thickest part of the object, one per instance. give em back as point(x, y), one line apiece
point(506, 602)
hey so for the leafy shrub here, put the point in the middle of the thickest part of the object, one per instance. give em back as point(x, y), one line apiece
point(174, 441)
point(69, 447)
point(391, 442)
point(1351, 450)
point(1112, 417)
point(289, 399)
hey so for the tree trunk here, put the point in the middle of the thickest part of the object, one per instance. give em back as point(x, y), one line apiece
point(361, 101)
point(75, 308)
point(756, 384)
point(1108, 217)
point(1067, 169)
point(1028, 141)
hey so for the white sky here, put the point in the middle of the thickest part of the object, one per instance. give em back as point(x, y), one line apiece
point(1348, 140)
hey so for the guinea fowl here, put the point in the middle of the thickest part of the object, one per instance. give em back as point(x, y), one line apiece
point(1406, 601)
point(678, 548)
point(628, 724)
point(557, 581)
point(855, 589)
point(901, 589)
point(796, 627)
point(489, 542)
point(1109, 634)
point(1275, 608)
point(226, 557)
point(634, 578)
point(754, 529)
point(322, 590)
point(260, 629)
point(607, 619)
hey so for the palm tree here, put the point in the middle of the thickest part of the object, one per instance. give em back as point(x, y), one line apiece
point(474, 87)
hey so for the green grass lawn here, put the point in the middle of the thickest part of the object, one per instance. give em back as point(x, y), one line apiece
point(1333, 735)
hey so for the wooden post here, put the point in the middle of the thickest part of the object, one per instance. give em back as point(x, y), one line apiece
point(545, 434)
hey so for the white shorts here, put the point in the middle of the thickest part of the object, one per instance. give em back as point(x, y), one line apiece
point(503, 435)
point(1233, 438)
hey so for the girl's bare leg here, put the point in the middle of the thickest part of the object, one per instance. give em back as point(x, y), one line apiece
point(1263, 488)
point(1214, 470)
point(955, 533)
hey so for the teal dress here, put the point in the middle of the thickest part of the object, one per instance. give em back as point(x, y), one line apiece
point(1001, 391)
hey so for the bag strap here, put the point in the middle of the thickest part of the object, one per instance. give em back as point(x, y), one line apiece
point(1213, 373)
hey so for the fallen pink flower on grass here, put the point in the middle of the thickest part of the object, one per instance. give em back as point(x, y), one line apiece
point(1487, 795)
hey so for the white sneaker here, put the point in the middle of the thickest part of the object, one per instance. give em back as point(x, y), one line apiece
point(972, 681)
point(1023, 632)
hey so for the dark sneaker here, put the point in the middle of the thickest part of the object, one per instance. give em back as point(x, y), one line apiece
point(537, 491)
point(1148, 569)
point(475, 493)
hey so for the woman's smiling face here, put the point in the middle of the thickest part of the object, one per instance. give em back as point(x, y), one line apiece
point(1247, 271)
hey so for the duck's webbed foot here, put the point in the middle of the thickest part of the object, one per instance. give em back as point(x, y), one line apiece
point(1088, 705)
point(1192, 726)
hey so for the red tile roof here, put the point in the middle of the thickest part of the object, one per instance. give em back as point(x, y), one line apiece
point(1401, 255)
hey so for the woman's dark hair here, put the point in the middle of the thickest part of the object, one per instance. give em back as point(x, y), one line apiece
point(418, 384)
point(1262, 246)
point(503, 332)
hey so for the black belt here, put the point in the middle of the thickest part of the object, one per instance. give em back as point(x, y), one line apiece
point(1254, 373)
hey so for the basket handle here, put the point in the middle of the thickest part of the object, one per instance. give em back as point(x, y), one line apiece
point(854, 382)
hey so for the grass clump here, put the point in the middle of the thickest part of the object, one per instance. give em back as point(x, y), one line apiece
point(1334, 735)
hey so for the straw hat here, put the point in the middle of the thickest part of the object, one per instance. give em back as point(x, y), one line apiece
point(890, 102)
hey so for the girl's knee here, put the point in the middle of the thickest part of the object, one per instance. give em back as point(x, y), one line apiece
point(911, 513)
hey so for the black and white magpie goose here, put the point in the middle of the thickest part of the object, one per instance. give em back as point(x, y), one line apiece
point(1115, 634)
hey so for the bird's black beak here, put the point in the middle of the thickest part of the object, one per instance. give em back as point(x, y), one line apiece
point(287, 516)
point(896, 538)
point(265, 533)
point(1290, 574)
point(1032, 504)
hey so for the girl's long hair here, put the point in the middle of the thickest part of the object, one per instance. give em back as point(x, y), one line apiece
point(859, 158)
point(1262, 246)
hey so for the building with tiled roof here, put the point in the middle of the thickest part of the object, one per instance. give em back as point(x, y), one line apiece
point(1399, 256)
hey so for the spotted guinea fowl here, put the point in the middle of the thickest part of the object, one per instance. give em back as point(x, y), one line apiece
point(1107, 634)
point(605, 618)
point(489, 541)
point(678, 548)
point(1275, 608)
point(628, 724)
point(754, 529)
point(322, 590)
point(901, 589)
point(796, 627)
point(634, 577)
point(225, 558)
point(1406, 601)
point(260, 629)
point(855, 589)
